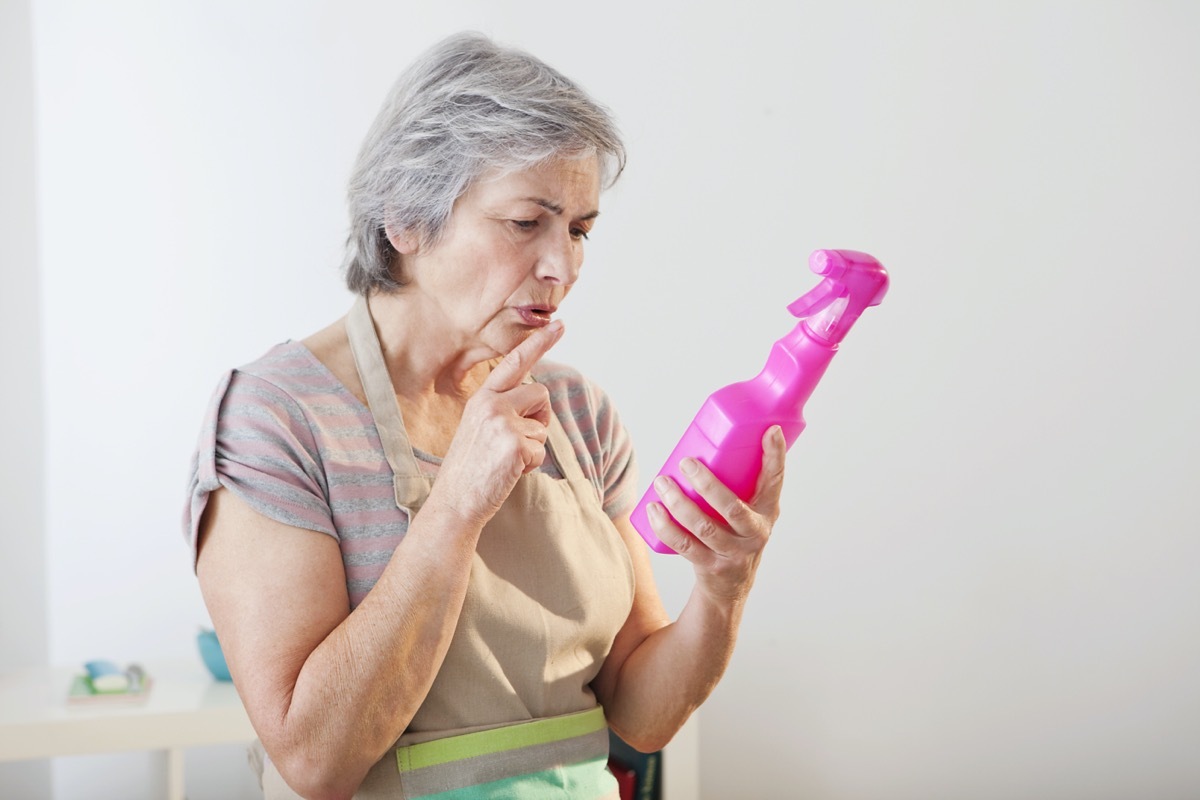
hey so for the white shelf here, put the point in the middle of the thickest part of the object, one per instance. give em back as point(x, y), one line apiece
point(185, 707)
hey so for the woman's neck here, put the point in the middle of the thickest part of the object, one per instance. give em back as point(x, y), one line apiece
point(425, 358)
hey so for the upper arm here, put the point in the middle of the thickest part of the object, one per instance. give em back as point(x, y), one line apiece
point(274, 593)
point(646, 616)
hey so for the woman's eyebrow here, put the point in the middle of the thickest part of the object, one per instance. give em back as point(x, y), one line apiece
point(556, 209)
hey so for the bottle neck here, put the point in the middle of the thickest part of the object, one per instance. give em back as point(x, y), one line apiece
point(795, 366)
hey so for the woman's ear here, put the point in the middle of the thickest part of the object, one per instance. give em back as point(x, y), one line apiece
point(403, 242)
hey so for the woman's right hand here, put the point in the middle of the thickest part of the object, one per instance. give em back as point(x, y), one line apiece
point(502, 434)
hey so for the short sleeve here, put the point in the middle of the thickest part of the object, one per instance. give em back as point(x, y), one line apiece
point(256, 442)
point(602, 444)
point(616, 464)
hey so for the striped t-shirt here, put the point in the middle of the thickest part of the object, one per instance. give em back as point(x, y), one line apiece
point(288, 438)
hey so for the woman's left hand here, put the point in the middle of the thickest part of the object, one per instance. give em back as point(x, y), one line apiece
point(724, 552)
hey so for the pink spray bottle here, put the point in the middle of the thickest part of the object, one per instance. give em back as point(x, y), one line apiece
point(726, 434)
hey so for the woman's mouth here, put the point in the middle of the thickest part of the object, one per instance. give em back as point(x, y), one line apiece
point(535, 316)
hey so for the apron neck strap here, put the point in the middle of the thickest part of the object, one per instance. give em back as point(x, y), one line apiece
point(561, 450)
point(411, 486)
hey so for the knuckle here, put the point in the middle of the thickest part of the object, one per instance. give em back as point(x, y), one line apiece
point(534, 455)
point(683, 544)
point(706, 529)
point(737, 512)
point(530, 396)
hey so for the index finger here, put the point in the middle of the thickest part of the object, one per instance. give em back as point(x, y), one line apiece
point(513, 368)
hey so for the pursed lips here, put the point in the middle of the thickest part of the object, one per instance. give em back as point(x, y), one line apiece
point(536, 315)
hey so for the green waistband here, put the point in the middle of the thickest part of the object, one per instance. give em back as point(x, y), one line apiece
point(499, 740)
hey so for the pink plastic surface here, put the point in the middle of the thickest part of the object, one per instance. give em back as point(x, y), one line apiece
point(726, 434)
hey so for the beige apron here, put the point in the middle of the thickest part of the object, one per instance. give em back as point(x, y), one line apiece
point(550, 586)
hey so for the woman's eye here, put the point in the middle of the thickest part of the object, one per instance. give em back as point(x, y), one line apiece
point(524, 224)
point(579, 233)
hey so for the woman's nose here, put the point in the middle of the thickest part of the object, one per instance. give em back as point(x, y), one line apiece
point(560, 260)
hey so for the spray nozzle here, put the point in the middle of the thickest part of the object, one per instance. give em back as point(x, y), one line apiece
point(852, 282)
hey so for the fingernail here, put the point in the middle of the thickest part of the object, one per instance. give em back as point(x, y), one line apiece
point(555, 328)
point(688, 466)
point(661, 484)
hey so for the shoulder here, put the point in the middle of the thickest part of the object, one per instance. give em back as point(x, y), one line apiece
point(288, 366)
point(253, 394)
point(585, 410)
point(289, 375)
point(285, 396)
point(262, 438)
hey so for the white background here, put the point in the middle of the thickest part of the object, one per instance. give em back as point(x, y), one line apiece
point(983, 584)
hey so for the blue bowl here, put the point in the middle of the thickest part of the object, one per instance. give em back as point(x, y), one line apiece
point(210, 651)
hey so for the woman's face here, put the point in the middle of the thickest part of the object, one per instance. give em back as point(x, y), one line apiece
point(509, 254)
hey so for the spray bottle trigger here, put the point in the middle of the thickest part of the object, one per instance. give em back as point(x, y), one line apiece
point(817, 299)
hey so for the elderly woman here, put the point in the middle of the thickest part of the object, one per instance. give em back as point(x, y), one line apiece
point(410, 530)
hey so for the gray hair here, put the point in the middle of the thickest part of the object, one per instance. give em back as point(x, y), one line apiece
point(467, 106)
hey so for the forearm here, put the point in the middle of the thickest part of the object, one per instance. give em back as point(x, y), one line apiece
point(674, 668)
point(673, 671)
point(359, 689)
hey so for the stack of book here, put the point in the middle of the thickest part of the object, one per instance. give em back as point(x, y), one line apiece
point(104, 681)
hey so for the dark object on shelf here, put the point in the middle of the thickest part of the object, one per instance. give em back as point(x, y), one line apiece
point(639, 775)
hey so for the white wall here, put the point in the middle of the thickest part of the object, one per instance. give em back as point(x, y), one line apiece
point(22, 521)
point(982, 585)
